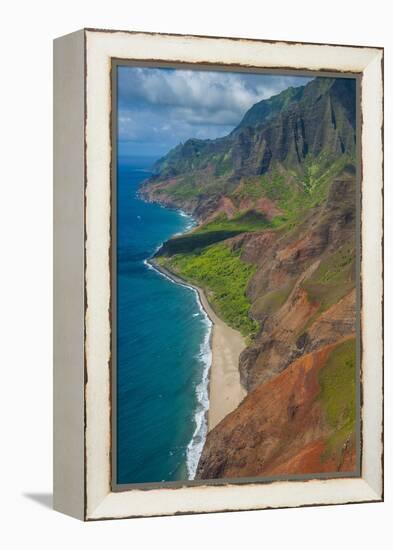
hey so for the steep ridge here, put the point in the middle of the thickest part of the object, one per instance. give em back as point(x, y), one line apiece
point(275, 253)
point(305, 275)
point(308, 122)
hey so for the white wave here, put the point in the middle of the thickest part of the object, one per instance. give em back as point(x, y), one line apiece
point(148, 265)
point(195, 446)
point(191, 222)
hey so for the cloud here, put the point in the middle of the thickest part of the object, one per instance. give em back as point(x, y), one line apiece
point(187, 88)
point(162, 107)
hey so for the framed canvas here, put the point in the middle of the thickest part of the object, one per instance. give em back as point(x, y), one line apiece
point(218, 332)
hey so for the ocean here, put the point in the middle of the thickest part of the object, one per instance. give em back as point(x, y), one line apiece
point(163, 345)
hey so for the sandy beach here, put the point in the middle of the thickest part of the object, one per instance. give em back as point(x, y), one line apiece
point(225, 389)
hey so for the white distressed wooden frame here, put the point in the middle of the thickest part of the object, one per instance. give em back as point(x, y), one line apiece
point(82, 108)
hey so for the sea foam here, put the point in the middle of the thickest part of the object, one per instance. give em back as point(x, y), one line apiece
point(195, 446)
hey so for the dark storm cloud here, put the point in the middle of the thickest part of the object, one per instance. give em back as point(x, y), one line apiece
point(158, 108)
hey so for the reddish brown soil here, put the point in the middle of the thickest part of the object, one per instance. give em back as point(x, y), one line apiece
point(263, 205)
point(225, 206)
point(279, 428)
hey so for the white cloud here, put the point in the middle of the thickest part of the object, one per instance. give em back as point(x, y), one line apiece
point(166, 106)
point(186, 88)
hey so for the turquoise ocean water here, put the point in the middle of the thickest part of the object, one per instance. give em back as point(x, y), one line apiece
point(163, 352)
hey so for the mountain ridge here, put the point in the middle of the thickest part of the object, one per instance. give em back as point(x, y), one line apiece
point(197, 174)
point(275, 252)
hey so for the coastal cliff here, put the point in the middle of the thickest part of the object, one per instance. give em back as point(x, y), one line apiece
point(274, 252)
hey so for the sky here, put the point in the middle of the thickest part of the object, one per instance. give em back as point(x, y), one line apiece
point(160, 108)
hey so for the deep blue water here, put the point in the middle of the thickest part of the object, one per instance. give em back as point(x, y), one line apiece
point(163, 350)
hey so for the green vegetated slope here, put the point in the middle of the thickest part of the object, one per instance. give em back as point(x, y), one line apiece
point(337, 380)
point(295, 191)
point(219, 229)
point(243, 222)
point(198, 256)
point(270, 302)
point(333, 279)
point(224, 277)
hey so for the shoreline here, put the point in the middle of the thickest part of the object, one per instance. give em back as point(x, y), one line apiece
point(225, 390)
